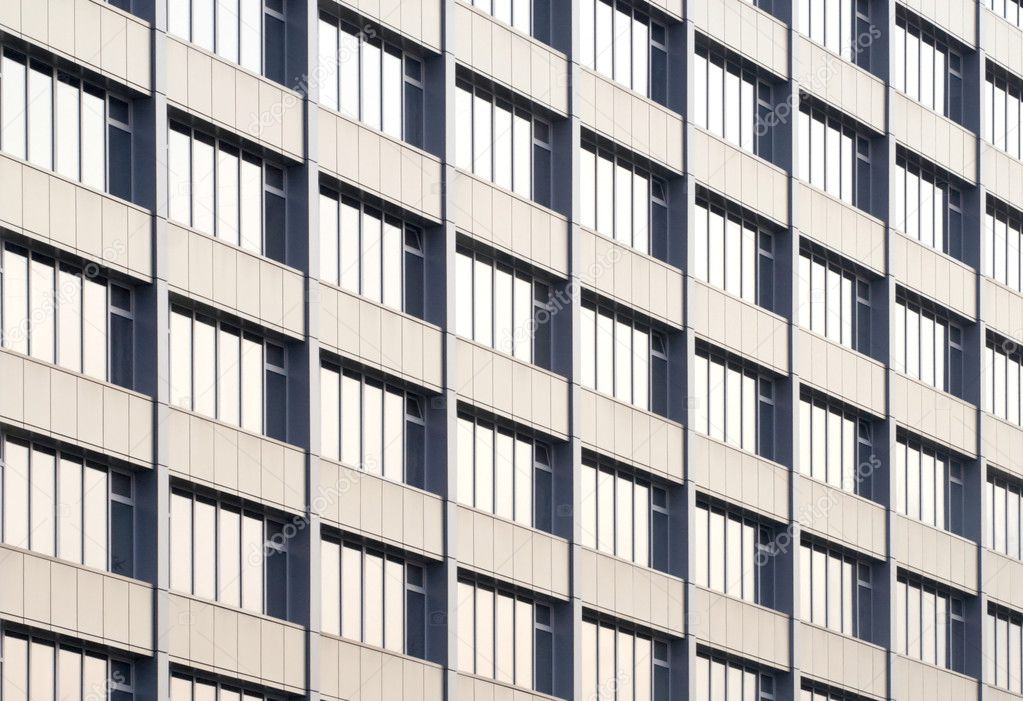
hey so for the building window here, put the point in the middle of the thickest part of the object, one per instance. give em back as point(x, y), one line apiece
point(62, 314)
point(841, 26)
point(835, 590)
point(370, 253)
point(504, 473)
point(733, 554)
point(220, 190)
point(928, 206)
point(625, 45)
point(1003, 92)
point(929, 624)
point(502, 143)
point(718, 678)
point(729, 100)
point(623, 201)
point(834, 299)
point(619, 663)
point(1002, 529)
point(250, 33)
point(499, 306)
point(928, 484)
point(222, 372)
point(733, 403)
point(505, 637)
point(1011, 10)
point(927, 68)
point(928, 344)
point(623, 358)
point(1003, 379)
point(835, 445)
point(37, 668)
point(60, 123)
point(58, 504)
point(623, 515)
point(372, 425)
point(833, 156)
point(1002, 231)
point(516, 13)
point(732, 252)
point(370, 80)
point(1003, 633)
point(373, 597)
point(227, 552)
point(184, 687)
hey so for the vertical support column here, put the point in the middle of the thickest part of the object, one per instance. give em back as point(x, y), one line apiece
point(573, 687)
point(975, 480)
point(449, 398)
point(789, 564)
point(685, 659)
point(154, 488)
point(308, 262)
point(884, 441)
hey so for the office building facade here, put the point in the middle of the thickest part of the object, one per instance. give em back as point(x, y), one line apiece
point(511, 349)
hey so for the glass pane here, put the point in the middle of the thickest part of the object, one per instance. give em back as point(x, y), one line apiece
point(227, 195)
point(94, 329)
point(394, 605)
point(252, 385)
point(67, 128)
point(229, 558)
point(373, 436)
point(392, 89)
point(252, 563)
point(40, 116)
point(251, 214)
point(204, 566)
point(181, 543)
point(393, 434)
point(12, 106)
point(69, 489)
point(43, 502)
point(204, 352)
point(203, 182)
point(484, 632)
point(69, 314)
point(330, 587)
point(95, 500)
point(371, 256)
point(351, 592)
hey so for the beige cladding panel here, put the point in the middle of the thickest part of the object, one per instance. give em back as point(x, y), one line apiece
point(251, 106)
point(746, 29)
point(841, 372)
point(514, 553)
point(739, 627)
point(844, 229)
point(352, 500)
point(937, 553)
point(74, 408)
point(639, 124)
point(913, 680)
point(514, 389)
point(237, 281)
point(739, 477)
point(70, 599)
point(74, 218)
point(631, 435)
point(355, 672)
point(739, 176)
point(842, 661)
point(236, 461)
